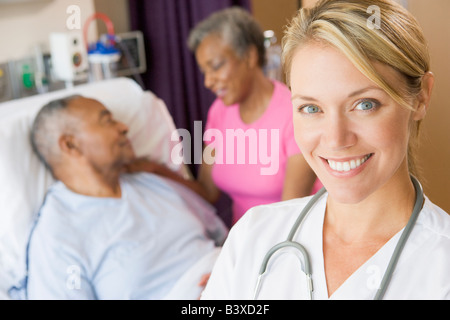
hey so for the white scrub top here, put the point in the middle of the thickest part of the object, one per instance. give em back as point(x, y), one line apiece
point(422, 272)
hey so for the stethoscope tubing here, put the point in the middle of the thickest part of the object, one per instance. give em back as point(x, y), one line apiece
point(402, 241)
point(306, 260)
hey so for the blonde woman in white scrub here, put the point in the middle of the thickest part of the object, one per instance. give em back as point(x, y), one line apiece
point(359, 91)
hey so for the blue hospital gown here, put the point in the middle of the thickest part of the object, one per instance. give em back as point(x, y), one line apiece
point(135, 247)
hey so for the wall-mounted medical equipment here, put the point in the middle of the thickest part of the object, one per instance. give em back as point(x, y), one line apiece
point(6, 86)
point(132, 61)
point(21, 78)
point(114, 55)
point(69, 56)
point(65, 62)
point(103, 55)
point(272, 68)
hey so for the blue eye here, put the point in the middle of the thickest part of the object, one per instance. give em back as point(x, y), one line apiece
point(366, 105)
point(309, 109)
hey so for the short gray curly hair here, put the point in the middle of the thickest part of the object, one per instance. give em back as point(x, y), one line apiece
point(49, 123)
point(235, 26)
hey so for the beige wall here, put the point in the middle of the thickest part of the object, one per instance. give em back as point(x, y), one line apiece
point(434, 154)
point(274, 15)
point(435, 147)
point(23, 25)
point(118, 13)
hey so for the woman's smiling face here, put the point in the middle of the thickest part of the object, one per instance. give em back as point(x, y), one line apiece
point(226, 74)
point(351, 132)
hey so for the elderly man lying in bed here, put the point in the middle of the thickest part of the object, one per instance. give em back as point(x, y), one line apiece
point(105, 234)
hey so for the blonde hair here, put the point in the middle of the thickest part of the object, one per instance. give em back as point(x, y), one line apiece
point(397, 41)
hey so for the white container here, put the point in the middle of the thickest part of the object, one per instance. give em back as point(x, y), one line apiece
point(103, 65)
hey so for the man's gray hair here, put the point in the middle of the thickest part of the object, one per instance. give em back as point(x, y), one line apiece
point(235, 26)
point(47, 127)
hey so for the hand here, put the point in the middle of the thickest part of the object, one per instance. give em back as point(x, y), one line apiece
point(204, 280)
point(142, 164)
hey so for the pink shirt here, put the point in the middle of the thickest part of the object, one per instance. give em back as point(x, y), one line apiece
point(251, 159)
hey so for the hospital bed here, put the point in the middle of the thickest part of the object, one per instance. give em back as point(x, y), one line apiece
point(24, 180)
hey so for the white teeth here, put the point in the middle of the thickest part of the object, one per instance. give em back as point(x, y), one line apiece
point(347, 165)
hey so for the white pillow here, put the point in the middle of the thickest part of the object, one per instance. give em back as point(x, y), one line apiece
point(24, 179)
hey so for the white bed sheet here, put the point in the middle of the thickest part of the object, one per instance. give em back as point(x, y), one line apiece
point(24, 180)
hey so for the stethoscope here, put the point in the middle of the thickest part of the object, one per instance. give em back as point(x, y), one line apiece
point(306, 261)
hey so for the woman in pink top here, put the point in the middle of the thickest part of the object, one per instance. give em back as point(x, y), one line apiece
point(249, 131)
point(257, 160)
